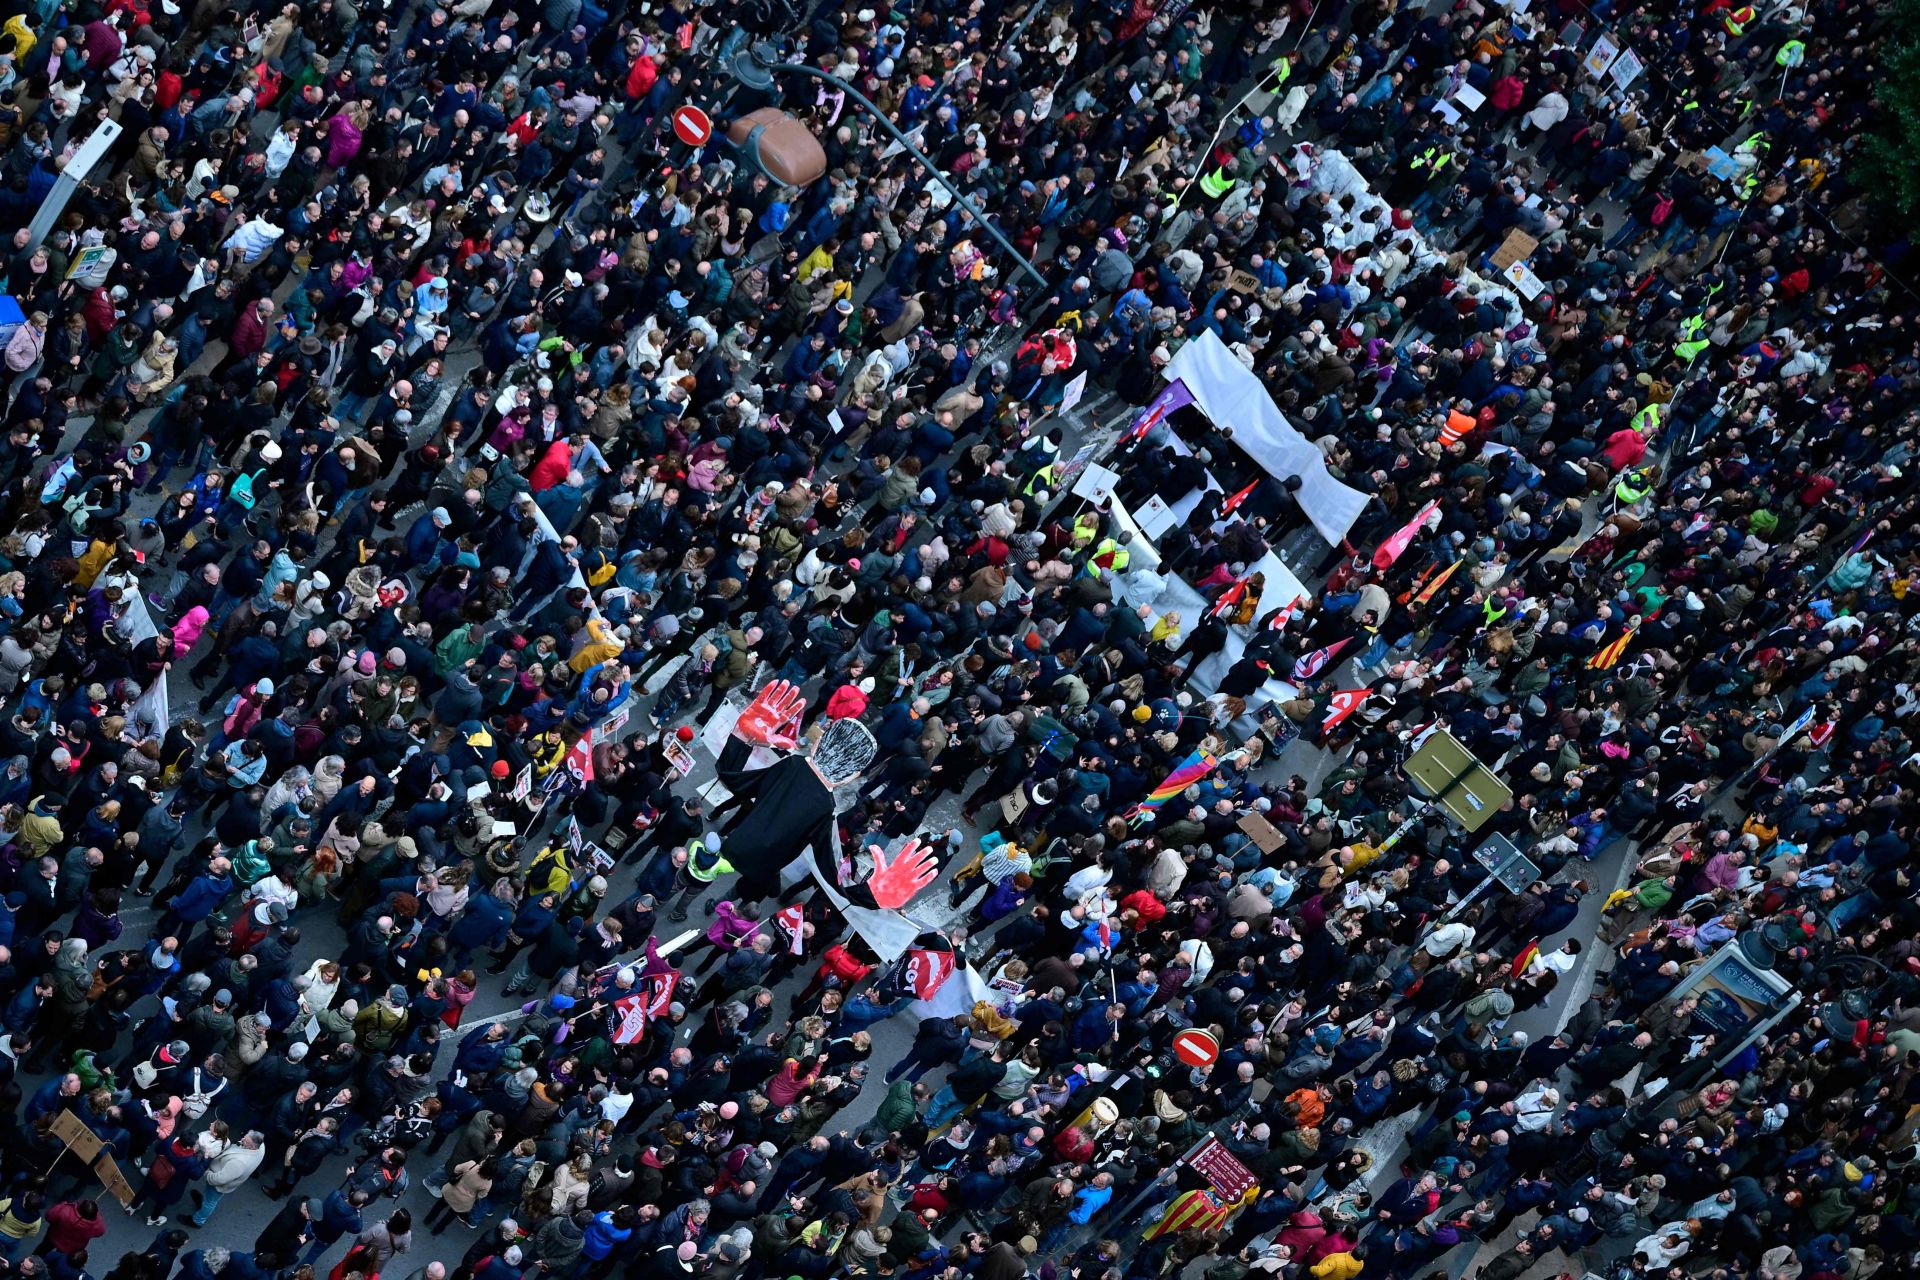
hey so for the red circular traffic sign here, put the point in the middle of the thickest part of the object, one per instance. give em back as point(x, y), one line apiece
point(692, 125)
point(1196, 1048)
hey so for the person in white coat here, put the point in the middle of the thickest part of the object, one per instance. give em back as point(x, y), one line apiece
point(1548, 112)
point(227, 1171)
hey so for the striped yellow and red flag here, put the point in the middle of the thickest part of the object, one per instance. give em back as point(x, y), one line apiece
point(1432, 588)
point(1192, 1211)
point(1609, 655)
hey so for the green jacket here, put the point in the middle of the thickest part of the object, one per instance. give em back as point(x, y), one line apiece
point(452, 653)
point(898, 1109)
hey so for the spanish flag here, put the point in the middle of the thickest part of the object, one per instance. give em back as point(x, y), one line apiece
point(1605, 658)
point(1525, 958)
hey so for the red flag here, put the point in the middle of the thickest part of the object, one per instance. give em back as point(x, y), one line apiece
point(658, 988)
point(1343, 704)
point(1279, 621)
point(580, 762)
point(1311, 665)
point(926, 970)
point(791, 921)
point(1229, 598)
point(1395, 546)
point(1199, 1210)
point(632, 1013)
point(1606, 657)
point(1232, 504)
point(652, 1000)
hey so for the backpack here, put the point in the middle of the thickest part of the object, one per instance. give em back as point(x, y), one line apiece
point(240, 489)
point(1662, 209)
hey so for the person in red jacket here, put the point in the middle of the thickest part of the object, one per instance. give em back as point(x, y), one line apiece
point(552, 467)
point(641, 79)
point(71, 1226)
point(1143, 904)
point(849, 701)
point(840, 968)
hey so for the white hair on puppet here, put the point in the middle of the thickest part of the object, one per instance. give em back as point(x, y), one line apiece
point(845, 749)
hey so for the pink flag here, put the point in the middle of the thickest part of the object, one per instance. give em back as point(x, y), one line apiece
point(1393, 548)
point(1311, 665)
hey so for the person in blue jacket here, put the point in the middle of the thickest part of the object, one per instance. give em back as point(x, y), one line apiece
point(200, 899)
point(339, 1216)
point(606, 1233)
point(487, 921)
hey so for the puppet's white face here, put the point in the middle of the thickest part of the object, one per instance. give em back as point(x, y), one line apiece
point(844, 751)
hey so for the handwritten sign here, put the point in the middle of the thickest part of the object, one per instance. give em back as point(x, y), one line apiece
point(1517, 247)
point(113, 1180)
point(72, 1131)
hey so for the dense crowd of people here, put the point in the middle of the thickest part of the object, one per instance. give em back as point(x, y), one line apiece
point(462, 545)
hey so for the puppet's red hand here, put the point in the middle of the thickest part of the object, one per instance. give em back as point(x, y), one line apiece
point(772, 719)
point(895, 881)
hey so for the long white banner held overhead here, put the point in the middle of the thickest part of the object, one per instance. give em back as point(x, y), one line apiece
point(1229, 393)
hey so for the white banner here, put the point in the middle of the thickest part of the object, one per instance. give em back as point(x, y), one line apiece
point(1229, 393)
point(150, 715)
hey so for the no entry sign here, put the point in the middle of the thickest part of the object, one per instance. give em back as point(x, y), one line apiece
point(692, 125)
point(1196, 1048)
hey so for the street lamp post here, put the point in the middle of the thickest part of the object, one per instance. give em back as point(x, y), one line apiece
point(757, 66)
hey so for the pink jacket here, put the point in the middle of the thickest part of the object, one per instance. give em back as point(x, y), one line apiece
point(343, 141)
point(730, 930)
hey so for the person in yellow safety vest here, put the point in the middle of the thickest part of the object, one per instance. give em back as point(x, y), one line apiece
point(1490, 615)
point(1633, 486)
point(1433, 159)
point(1791, 54)
point(704, 865)
point(1737, 20)
point(1216, 183)
point(1047, 477)
point(1111, 555)
point(1086, 527)
point(1647, 421)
